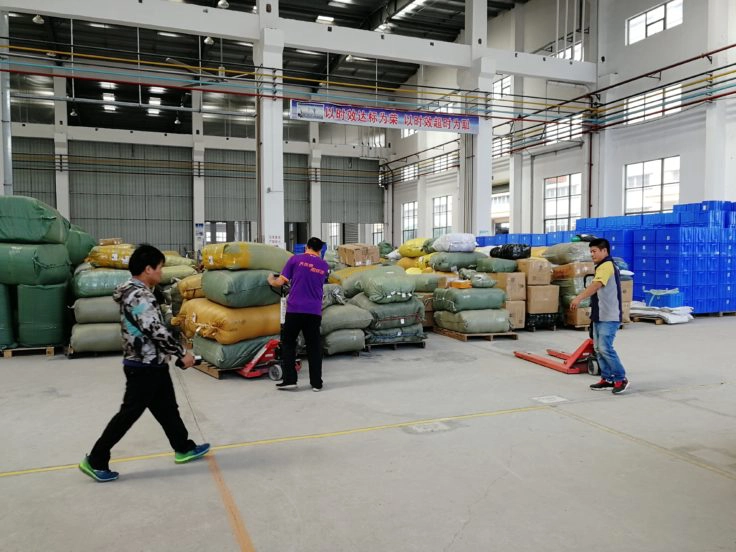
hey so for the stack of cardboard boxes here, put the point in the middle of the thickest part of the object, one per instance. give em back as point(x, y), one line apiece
point(514, 284)
point(358, 254)
point(541, 296)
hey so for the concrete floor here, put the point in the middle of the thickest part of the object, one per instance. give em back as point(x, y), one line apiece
point(450, 448)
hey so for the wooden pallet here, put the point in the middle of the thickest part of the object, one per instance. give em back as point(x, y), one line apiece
point(213, 371)
point(466, 336)
point(653, 319)
point(714, 314)
point(10, 353)
point(549, 328)
point(368, 346)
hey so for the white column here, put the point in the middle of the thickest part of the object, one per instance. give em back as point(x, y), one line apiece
point(519, 193)
point(61, 148)
point(424, 209)
point(198, 200)
point(315, 193)
point(6, 164)
point(268, 56)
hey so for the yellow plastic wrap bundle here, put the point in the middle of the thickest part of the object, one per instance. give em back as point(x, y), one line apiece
point(339, 276)
point(111, 256)
point(191, 287)
point(412, 248)
point(226, 325)
point(538, 252)
point(423, 261)
point(407, 262)
point(244, 255)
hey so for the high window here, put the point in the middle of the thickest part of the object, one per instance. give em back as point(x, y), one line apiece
point(501, 88)
point(334, 235)
point(441, 215)
point(652, 186)
point(652, 105)
point(409, 220)
point(653, 21)
point(377, 232)
point(562, 202)
point(574, 52)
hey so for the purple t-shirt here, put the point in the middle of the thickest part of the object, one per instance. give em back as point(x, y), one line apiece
point(307, 274)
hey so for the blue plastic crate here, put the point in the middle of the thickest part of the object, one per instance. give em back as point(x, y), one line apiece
point(669, 279)
point(539, 240)
point(688, 218)
point(623, 251)
point(731, 220)
point(674, 249)
point(727, 290)
point(727, 304)
point(686, 207)
point(675, 235)
point(711, 218)
point(648, 277)
point(567, 235)
point(674, 263)
point(553, 238)
point(727, 277)
point(525, 239)
point(484, 241)
point(727, 235)
point(300, 248)
point(622, 237)
point(586, 224)
point(726, 263)
point(640, 289)
point(644, 263)
point(705, 277)
point(706, 248)
point(714, 206)
point(706, 263)
point(644, 250)
point(671, 300)
point(644, 236)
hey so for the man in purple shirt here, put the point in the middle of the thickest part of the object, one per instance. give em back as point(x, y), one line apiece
point(307, 274)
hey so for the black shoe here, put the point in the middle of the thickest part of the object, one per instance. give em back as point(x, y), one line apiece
point(620, 387)
point(603, 384)
point(286, 386)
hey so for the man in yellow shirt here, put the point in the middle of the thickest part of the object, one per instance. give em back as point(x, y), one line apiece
point(605, 316)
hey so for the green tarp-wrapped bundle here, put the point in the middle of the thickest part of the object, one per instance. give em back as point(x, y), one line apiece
point(492, 264)
point(474, 321)
point(332, 294)
point(426, 283)
point(96, 310)
point(178, 260)
point(244, 256)
point(28, 220)
point(566, 253)
point(391, 315)
point(384, 248)
point(78, 243)
point(33, 264)
point(449, 262)
point(408, 334)
point(343, 341)
point(98, 282)
point(178, 272)
point(96, 338)
point(225, 357)
point(241, 288)
point(41, 315)
point(569, 289)
point(344, 317)
point(458, 300)
point(387, 288)
point(7, 336)
point(353, 283)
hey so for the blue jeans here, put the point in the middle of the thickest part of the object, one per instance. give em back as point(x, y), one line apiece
point(603, 335)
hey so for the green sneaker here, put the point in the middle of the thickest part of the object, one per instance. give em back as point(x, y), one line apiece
point(197, 452)
point(101, 476)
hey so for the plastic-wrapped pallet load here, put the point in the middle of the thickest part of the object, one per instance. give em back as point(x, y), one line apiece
point(457, 300)
point(391, 315)
point(225, 357)
point(244, 255)
point(343, 341)
point(474, 321)
point(227, 325)
point(7, 335)
point(28, 220)
point(240, 288)
point(96, 338)
point(33, 264)
point(41, 315)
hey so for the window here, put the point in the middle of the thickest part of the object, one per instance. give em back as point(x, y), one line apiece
point(652, 105)
point(377, 231)
point(501, 146)
point(652, 186)
point(443, 162)
point(410, 172)
point(441, 216)
point(562, 202)
point(219, 229)
point(334, 237)
point(574, 52)
point(501, 205)
point(568, 128)
point(653, 21)
point(501, 88)
point(409, 220)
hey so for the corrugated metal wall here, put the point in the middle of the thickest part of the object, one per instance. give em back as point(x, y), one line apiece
point(350, 191)
point(296, 188)
point(139, 193)
point(33, 169)
point(230, 192)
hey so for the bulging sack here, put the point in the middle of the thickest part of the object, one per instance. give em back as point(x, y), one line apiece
point(34, 264)
point(96, 338)
point(344, 341)
point(407, 334)
point(28, 220)
point(512, 251)
point(428, 282)
point(41, 315)
point(492, 264)
point(332, 294)
point(191, 287)
point(353, 283)
point(565, 253)
point(244, 255)
point(78, 243)
point(111, 256)
point(227, 325)
point(7, 335)
point(412, 248)
point(387, 288)
point(96, 310)
point(344, 317)
point(240, 288)
point(170, 274)
point(391, 315)
point(450, 262)
point(98, 282)
point(458, 300)
point(226, 357)
point(474, 321)
point(455, 243)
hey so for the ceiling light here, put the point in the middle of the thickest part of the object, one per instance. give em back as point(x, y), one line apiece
point(73, 112)
point(384, 28)
point(99, 25)
point(110, 107)
point(11, 14)
point(154, 101)
point(339, 3)
point(255, 9)
point(170, 35)
point(108, 97)
point(246, 44)
point(154, 111)
point(325, 19)
point(156, 90)
point(108, 85)
point(309, 52)
point(408, 9)
point(208, 40)
point(177, 121)
point(224, 4)
point(38, 20)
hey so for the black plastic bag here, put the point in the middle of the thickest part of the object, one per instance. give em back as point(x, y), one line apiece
point(541, 321)
point(512, 251)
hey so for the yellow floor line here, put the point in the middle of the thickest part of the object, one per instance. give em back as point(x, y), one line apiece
point(233, 514)
point(296, 438)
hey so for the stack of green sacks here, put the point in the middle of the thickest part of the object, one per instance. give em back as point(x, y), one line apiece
point(471, 311)
point(342, 324)
point(34, 271)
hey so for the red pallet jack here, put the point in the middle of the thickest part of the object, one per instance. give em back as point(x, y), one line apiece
point(266, 361)
point(580, 361)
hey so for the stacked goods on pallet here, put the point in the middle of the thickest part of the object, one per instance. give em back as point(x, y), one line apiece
point(471, 311)
point(504, 272)
point(358, 254)
point(35, 265)
point(97, 315)
point(239, 312)
point(424, 286)
point(572, 279)
point(542, 298)
point(342, 324)
point(414, 253)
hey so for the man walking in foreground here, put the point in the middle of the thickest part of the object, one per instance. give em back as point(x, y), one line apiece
point(147, 344)
point(605, 316)
point(307, 274)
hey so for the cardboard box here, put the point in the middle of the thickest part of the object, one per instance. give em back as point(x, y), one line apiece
point(517, 313)
point(627, 291)
point(358, 254)
point(626, 312)
point(572, 270)
point(542, 299)
point(578, 317)
point(538, 271)
point(110, 241)
point(513, 283)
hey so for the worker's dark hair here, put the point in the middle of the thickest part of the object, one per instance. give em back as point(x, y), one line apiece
point(143, 256)
point(315, 244)
point(601, 243)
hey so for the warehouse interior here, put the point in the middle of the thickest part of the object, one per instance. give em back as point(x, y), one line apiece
point(387, 128)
